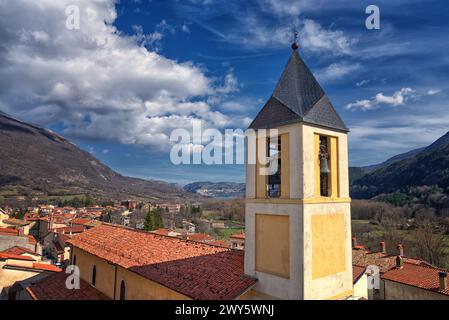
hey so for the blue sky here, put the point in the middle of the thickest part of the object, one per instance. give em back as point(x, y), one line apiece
point(118, 89)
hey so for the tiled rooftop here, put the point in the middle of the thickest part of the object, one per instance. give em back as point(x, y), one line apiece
point(53, 288)
point(421, 276)
point(384, 261)
point(240, 236)
point(16, 222)
point(197, 270)
point(6, 255)
point(357, 272)
point(19, 251)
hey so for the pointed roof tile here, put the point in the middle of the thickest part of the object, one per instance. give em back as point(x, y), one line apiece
point(298, 97)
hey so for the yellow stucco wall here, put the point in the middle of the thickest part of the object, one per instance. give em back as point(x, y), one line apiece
point(105, 272)
point(273, 244)
point(137, 287)
point(140, 288)
point(328, 244)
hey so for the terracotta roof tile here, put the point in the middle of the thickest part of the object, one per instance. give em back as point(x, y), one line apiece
point(80, 221)
point(53, 288)
point(357, 272)
point(46, 267)
point(384, 261)
point(6, 255)
point(421, 276)
point(20, 250)
point(239, 236)
point(16, 222)
point(72, 229)
point(195, 269)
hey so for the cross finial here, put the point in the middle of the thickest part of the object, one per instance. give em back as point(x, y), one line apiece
point(295, 44)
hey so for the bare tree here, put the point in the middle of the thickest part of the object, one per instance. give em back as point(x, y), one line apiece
point(430, 244)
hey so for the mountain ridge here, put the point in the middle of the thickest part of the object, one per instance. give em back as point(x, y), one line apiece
point(429, 167)
point(37, 161)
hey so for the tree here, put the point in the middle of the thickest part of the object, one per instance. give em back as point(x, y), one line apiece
point(430, 244)
point(158, 223)
point(148, 225)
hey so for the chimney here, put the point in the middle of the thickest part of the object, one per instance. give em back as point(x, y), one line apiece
point(398, 262)
point(400, 250)
point(383, 249)
point(443, 280)
point(354, 242)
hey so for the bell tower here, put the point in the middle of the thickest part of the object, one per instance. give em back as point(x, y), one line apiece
point(298, 224)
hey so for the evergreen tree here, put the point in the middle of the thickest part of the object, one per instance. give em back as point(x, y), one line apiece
point(149, 225)
point(158, 223)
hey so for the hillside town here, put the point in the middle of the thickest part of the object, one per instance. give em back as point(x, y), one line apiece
point(296, 242)
point(38, 248)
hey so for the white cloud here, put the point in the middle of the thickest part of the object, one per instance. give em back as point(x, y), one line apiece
point(315, 38)
point(283, 7)
point(230, 85)
point(254, 32)
point(362, 83)
point(397, 99)
point(337, 71)
point(433, 92)
point(95, 81)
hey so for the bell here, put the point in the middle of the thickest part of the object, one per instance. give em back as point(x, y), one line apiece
point(324, 166)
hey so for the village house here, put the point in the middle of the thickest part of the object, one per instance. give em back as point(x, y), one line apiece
point(18, 268)
point(400, 277)
point(237, 241)
point(22, 226)
point(10, 237)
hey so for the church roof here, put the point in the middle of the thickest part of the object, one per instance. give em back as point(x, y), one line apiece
point(298, 97)
point(195, 269)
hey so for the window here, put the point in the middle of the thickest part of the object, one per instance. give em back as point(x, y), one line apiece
point(123, 290)
point(324, 157)
point(74, 260)
point(94, 275)
point(274, 156)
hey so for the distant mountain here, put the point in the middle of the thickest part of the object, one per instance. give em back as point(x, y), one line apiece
point(36, 161)
point(406, 155)
point(217, 189)
point(391, 160)
point(428, 167)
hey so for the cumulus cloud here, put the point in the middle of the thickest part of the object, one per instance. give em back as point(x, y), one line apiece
point(397, 99)
point(96, 82)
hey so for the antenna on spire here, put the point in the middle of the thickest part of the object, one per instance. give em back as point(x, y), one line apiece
point(295, 44)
